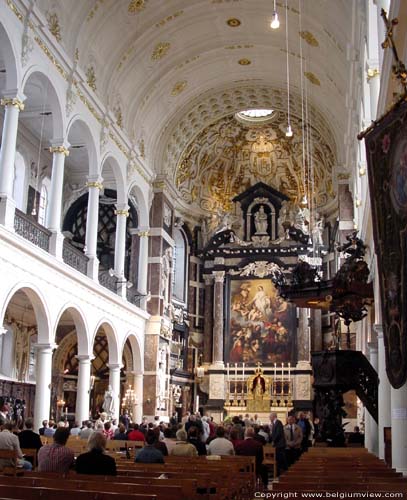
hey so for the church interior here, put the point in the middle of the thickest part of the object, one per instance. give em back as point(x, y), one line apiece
point(203, 209)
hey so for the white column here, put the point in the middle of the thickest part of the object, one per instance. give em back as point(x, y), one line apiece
point(43, 364)
point(384, 395)
point(83, 388)
point(143, 234)
point(399, 429)
point(138, 389)
point(371, 429)
point(13, 104)
point(218, 319)
point(114, 381)
point(59, 153)
point(94, 185)
point(373, 79)
point(122, 212)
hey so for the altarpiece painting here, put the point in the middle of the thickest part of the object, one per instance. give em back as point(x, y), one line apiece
point(261, 323)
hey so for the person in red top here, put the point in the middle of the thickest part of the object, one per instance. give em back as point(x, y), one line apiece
point(56, 457)
point(252, 448)
point(108, 431)
point(135, 434)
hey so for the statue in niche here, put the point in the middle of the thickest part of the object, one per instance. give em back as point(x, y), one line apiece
point(21, 350)
point(258, 387)
point(166, 275)
point(260, 221)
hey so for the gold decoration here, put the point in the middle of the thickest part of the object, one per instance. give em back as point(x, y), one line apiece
point(178, 88)
point(244, 62)
point(51, 57)
point(83, 98)
point(16, 103)
point(119, 116)
point(169, 18)
point(91, 78)
point(94, 184)
point(312, 78)
point(372, 73)
point(60, 150)
point(309, 38)
point(53, 25)
point(160, 50)
point(136, 6)
point(233, 47)
point(143, 234)
point(15, 10)
point(92, 12)
point(76, 57)
point(122, 212)
point(233, 22)
point(142, 148)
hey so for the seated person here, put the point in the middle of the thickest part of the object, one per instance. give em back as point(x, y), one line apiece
point(149, 454)
point(120, 434)
point(182, 448)
point(134, 433)
point(220, 445)
point(29, 439)
point(194, 439)
point(252, 448)
point(9, 441)
point(56, 457)
point(95, 461)
point(87, 431)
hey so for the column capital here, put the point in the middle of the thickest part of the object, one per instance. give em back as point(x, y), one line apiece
point(95, 182)
point(45, 347)
point(136, 373)
point(219, 276)
point(208, 278)
point(372, 72)
point(59, 150)
point(114, 366)
point(14, 98)
point(82, 358)
point(141, 231)
point(122, 209)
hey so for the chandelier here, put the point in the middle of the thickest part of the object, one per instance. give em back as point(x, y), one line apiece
point(129, 400)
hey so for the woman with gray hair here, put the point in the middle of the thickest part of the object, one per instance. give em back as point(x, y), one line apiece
point(95, 461)
point(182, 448)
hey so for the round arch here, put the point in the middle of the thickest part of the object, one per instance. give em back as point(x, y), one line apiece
point(81, 327)
point(138, 361)
point(37, 76)
point(79, 133)
point(112, 340)
point(142, 204)
point(8, 54)
point(111, 165)
point(39, 306)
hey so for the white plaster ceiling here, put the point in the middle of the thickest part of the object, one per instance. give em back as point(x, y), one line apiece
point(200, 58)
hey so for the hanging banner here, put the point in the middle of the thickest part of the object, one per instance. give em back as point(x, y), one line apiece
point(386, 150)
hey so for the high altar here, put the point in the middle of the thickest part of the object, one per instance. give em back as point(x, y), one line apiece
point(257, 358)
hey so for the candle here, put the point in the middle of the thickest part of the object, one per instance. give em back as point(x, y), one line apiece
point(243, 381)
point(289, 378)
point(275, 378)
point(227, 371)
point(282, 378)
point(235, 371)
point(197, 404)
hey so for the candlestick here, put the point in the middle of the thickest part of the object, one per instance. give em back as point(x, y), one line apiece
point(282, 378)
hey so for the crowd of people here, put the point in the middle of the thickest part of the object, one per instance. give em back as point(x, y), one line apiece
point(194, 435)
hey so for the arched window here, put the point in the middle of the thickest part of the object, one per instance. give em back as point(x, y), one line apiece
point(19, 181)
point(43, 203)
point(179, 265)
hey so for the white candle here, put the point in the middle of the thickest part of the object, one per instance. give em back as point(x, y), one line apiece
point(197, 404)
point(227, 371)
point(243, 381)
point(282, 378)
point(289, 378)
point(235, 371)
point(275, 379)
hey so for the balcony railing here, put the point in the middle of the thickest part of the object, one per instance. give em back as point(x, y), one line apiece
point(134, 297)
point(109, 282)
point(30, 230)
point(74, 257)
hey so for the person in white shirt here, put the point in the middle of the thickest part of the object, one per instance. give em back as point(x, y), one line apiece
point(206, 429)
point(9, 441)
point(220, 445)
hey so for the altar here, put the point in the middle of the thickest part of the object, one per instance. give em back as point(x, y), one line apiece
point(258, 393)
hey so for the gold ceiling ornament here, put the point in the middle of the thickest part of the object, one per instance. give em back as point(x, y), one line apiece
point(76, 57)
point(372, 73)
point(178, 88)
point(244, 62)
point(169, 18)
point(309, 38)
point(53, 25)
point(312, 78)
point(91, 78)
point(92, 12)
point(136, 6)
point(160, 50)
point(228, 157)
point(233, 47)
point(118, 115)
point(233, 22)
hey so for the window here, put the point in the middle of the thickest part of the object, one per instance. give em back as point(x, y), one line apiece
point(42, 207)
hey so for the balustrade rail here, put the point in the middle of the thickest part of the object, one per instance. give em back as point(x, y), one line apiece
point(109, 282)
point(30, 230)
point(74, 257)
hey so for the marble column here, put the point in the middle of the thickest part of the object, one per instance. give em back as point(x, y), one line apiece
point(384, 395)
point(316, 336)
point(122, 212)
point(138, 389)
point(371, 429)
point(83, 388)
point(218, 318)
point(13, 104)
point(94, 185)
point(114, 382)
point(143, 234)
point(303, 339)
point(43, 374)
point(399, 429)
point(208, 323)
point(59, 153)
